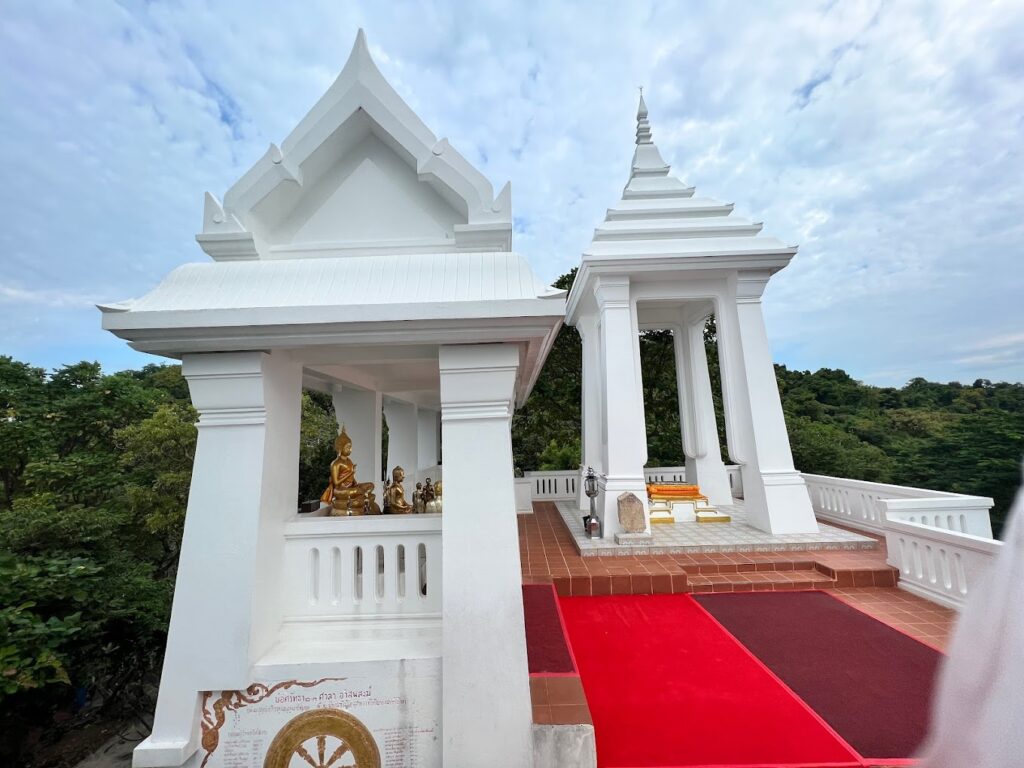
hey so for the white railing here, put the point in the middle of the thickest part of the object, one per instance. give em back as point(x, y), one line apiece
point(665, 474)
point(362, 567)
point(562, 485)
point(735, 480)
point(939, 565)
point(867, 506)
point(554, 486)
point(963, 514)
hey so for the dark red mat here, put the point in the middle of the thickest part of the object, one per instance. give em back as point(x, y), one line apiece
point(546, 647)
point(870, 682)
point(667, 686)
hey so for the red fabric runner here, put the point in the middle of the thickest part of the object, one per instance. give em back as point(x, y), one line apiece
point(870, 682)
point(667, 686)
point(546, 648)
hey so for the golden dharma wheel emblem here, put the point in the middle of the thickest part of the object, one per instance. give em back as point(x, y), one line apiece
point(323, 738)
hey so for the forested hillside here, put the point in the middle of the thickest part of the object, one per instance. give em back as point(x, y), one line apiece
point(95, 469)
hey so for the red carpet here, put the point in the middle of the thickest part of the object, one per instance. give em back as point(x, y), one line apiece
point(546, 649)
point(667, 686)
point(870, 682)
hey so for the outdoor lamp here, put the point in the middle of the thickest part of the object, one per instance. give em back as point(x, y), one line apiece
point(591, 522)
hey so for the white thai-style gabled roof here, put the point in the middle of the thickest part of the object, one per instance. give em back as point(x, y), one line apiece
point(361, 229)
point(355, 288)
point(659, 224)
point(308, 197)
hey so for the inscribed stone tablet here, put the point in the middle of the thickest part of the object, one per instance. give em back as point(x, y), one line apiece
point(631, 513)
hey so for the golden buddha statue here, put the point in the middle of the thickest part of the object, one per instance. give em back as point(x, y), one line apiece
point(344, 494)
point(395, 501)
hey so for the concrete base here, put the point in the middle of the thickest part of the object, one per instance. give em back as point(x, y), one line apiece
point(735, 536)
point(564, 746)
point(632, 539)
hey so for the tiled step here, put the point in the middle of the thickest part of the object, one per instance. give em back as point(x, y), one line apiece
point(625, 578)
point(760, 581)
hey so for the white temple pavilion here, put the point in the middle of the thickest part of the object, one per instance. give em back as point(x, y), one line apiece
point(366, 258)
point(664, 259)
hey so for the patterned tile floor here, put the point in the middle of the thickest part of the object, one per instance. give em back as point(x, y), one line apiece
point(734, 536)
point(861, 577)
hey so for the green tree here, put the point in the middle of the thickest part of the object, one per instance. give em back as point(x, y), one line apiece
point(22, 431)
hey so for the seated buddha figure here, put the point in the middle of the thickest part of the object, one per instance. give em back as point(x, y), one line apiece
point(396, 503)
point(344, 494)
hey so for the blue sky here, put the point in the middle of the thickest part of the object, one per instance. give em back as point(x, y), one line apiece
point(883, 138)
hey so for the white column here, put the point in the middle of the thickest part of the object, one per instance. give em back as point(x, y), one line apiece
point(590, 439)
point(428, 440)
point(775, 496)
point(360, 411)
point(402, 437)
point(485, 679)
point(624, 438)
point(227, 600)
point(704, 464)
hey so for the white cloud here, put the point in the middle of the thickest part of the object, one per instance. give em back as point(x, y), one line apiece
point(883, 138)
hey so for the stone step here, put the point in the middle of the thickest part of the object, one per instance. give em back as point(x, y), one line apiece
point(861, 573)
point(759, 581)
point(667, 574)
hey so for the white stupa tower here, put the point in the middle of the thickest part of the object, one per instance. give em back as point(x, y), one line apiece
point(666, 259)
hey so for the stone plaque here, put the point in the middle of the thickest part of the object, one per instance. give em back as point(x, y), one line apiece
point(388, 715)
point(631, 513)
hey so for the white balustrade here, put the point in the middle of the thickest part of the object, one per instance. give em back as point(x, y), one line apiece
point(867, 506)
point(939, 565)
point(554, 486)
point(962, 514)
point(362, 567)
point(665, 474)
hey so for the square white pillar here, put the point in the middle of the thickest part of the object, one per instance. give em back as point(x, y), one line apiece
point(428, 439)
point(704, 465)
point(486, 706)
point(624, 440)
point(403, 438)
point(775, 495)
point(227, 599)
point(590, 391)
point(360, 411)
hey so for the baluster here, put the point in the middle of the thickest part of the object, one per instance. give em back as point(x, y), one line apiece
point(358, 571)
point(314, 576)
point(336, 576)
point(378, 573)
point(961, 574)
point(930, 562)
point(947, 579)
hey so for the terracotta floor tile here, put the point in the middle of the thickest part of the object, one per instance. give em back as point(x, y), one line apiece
point(574, 714)
point(548, 554)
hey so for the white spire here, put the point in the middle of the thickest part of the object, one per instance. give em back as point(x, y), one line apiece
point(659, 216)
point(647, 160)
point(643, 125)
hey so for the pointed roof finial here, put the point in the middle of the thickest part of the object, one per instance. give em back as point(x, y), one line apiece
point(643, 126)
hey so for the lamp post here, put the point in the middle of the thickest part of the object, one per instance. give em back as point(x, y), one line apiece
point(591, 522)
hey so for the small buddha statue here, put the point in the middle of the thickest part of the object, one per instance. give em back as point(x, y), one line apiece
point(417, 499)
point(344, 494)
point(429, 497)
point(394, 496)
